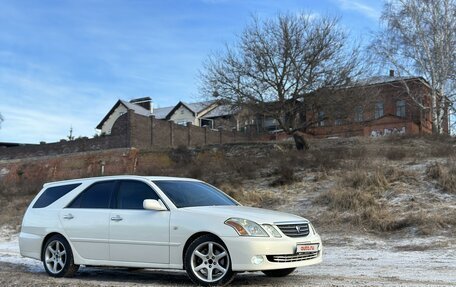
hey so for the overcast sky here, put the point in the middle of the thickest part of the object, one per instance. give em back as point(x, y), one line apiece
point(66, 63)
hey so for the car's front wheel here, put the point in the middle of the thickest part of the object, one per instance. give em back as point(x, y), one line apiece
point(58, 258)
point(279, 272)
point(207, 262)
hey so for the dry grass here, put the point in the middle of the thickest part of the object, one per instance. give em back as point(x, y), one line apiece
point(250, 197)
point(13, 209)
point(366, 210)
point(346, 199)
point(445, 175)
point(396, 153)
point(362, 197)
point(364, 180)
point(285, 173)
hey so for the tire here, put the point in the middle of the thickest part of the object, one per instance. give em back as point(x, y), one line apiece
point(207, 262)
point(58, 257)
point(279, 272)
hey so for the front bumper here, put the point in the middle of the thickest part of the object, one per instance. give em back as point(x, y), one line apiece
point(242, 249)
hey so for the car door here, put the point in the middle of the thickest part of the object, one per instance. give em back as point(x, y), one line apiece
point(136, 234)
point(86, 220)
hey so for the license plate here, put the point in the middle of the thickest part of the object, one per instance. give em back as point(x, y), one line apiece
point(301, 248)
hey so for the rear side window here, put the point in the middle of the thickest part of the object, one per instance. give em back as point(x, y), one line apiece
point(132, 194)
point(51, 194)
point(98, 195)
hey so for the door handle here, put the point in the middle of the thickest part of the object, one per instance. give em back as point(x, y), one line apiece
point(68, 216)
point(116, 218)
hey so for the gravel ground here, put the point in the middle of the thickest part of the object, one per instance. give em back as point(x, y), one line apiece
point(364, 262)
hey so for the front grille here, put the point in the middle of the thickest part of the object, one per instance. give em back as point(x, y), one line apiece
point(294, 230)
point(292, 257)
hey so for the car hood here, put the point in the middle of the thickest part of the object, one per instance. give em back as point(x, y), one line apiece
point(258, 215)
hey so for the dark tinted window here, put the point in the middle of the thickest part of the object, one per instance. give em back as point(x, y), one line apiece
point(192, 193)
point(132, 194)
point(53, 193)
point(97, 195)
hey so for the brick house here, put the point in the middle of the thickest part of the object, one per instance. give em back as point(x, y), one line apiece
point(374, 107)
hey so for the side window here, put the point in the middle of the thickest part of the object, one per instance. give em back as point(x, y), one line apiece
point(132, 194)
point(359, 114)
point(378, 111)
point(97, 195)
point(321, 118)
point(400, 108)
point(52, 194)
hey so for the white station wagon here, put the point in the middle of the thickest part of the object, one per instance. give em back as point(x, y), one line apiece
point(162, 222)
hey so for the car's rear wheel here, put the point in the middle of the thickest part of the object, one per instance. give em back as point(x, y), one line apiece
point(208, 262)
point(279, 272)
point(58, 257)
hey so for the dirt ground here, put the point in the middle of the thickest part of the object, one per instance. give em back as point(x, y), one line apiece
point(365, 261)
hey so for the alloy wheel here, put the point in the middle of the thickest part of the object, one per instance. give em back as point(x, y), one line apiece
point(210, 261)
point(55, 256)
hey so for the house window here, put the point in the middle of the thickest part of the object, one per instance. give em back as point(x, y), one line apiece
point(400, 108)
point(321, 119)
point(339, 119)
point(359, 114)
point(207, 123)
point(378, 112)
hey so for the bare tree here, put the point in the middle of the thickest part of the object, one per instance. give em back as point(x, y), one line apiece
point(419, 37)
point(277, 62)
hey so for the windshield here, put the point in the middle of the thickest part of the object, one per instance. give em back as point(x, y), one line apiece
point(192, 193)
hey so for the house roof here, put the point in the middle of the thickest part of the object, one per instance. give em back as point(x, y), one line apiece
point(220, 111)
point(199, 106)
point(161, 113)
point(136, 108)
point(195, 108)
point(378, 80)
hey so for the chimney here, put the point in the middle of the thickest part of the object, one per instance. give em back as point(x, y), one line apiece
point(145, 102)
point(391, 73)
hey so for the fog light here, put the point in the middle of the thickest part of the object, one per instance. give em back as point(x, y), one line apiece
point(258, 259)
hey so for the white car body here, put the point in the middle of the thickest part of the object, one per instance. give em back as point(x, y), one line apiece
point(157, 239)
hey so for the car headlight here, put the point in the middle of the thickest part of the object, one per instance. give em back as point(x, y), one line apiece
point(271, 230)
point(246, 227)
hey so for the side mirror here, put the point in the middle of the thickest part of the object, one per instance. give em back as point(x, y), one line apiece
point(152, 204)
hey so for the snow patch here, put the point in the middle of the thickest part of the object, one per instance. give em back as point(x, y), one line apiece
point(9, 253)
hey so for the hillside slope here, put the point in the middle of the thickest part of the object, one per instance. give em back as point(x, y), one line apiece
point(398, 185)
